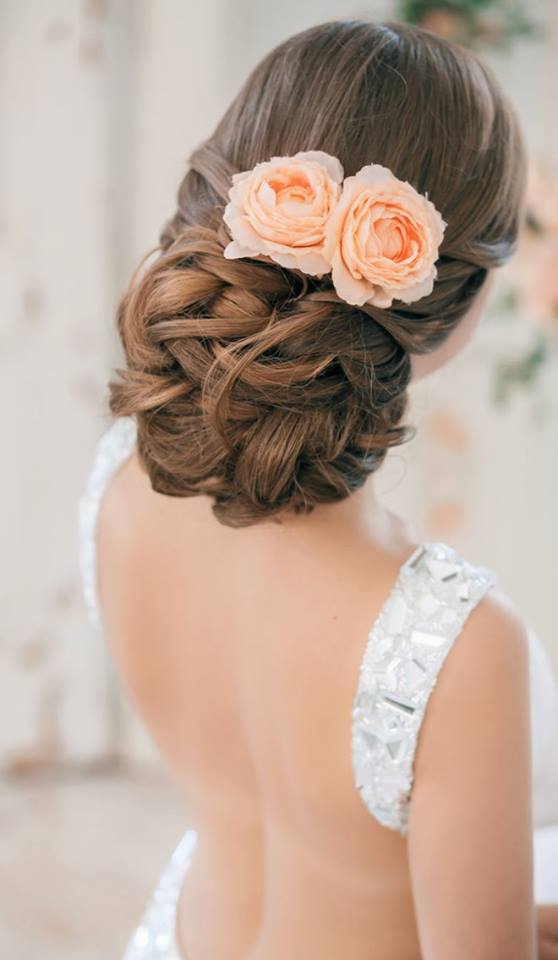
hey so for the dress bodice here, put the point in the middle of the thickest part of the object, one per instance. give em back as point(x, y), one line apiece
point(434, 593)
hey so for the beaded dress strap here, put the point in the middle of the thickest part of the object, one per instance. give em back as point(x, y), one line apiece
point(435, 591)
point(115, 445)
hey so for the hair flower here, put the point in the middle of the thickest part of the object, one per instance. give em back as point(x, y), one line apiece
point(382, 239)
point(281, 207)
point(376, 234)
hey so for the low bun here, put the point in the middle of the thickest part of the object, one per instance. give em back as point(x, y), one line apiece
point(257, 385)
point(254, 384)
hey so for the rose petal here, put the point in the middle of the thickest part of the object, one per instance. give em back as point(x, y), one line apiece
point(375, 173)
point(267, 195)
point(332, 164)
point(280, 209)
point(311, 263)
point(382, 239)
point(418, 290)
point(347, 287)
point(381, 298)
point(234, 250)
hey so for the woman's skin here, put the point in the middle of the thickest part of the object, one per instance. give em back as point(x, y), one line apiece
point(240, 650)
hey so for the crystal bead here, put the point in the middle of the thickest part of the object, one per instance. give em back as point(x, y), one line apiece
point(396, 749)
point(441, 569)
point(414, 673)
point(463, 591)
point(386, 675)
point(397, 703)
point(428, 639)
point(397, 614)
point(429, 604)
point(385, 643)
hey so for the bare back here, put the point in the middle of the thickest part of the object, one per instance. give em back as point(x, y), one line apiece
point(241, 650)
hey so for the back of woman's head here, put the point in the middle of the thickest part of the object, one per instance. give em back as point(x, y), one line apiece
point(257, 384)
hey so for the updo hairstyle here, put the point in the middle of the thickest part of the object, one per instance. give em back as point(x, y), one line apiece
point(257, 385)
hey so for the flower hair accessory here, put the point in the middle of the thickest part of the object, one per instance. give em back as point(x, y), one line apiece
point(376, 234)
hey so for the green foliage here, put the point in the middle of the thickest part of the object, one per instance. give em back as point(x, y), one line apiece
point(521, 371)
point(474, 23)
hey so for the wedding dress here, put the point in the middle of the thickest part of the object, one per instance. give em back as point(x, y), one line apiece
point(434, 593)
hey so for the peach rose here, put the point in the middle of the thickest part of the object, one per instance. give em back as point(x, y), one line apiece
point(382, 239)
point(280, 209)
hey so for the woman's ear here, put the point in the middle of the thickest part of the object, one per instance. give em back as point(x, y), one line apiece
point(424, 364)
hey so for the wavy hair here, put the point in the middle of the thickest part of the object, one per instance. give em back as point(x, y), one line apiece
point(256, 384)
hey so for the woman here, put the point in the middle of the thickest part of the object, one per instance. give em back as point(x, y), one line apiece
point(345, 710)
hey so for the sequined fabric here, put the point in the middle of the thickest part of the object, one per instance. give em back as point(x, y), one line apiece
point(434, 593)
point(155, 936)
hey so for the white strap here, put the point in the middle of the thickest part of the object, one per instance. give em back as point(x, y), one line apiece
point(434, 593)
point(156, 935)
point(113, 448)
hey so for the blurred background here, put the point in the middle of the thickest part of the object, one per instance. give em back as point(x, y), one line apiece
point(100, 103)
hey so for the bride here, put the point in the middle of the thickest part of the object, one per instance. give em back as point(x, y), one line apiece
point(352, 715)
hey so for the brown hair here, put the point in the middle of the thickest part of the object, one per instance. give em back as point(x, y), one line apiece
point(256, 384)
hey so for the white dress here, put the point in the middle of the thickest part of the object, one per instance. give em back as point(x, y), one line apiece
point(434, 593)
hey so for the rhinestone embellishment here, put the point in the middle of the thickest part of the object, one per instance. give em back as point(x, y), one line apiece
point(434, 593)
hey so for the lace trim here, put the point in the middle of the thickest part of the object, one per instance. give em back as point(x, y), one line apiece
point(434, 593)
point(115, 445)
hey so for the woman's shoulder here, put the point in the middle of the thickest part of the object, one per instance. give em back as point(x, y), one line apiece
point(470, 819)
point(489, 655)
point(479, 708)
point(473, 600)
